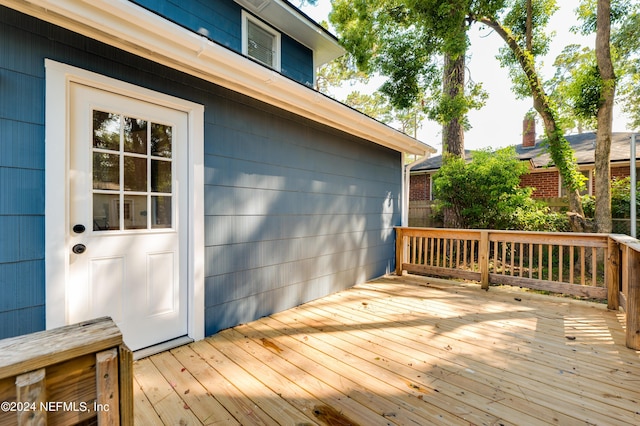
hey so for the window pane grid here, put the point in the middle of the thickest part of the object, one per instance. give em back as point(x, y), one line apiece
point(132, 173)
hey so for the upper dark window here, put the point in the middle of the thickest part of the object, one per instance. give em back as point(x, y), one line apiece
point(260, 42)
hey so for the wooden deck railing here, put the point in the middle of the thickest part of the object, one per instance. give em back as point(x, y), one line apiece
point(600, 266)
point(76, 374)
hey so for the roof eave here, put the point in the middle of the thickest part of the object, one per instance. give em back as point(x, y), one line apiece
point(127, 26)
point(286, 18)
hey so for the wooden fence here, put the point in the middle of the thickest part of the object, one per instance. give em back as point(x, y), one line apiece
point(77, 374)
point(600, 266)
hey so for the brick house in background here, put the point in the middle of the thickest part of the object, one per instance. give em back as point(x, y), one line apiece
point(543, 176)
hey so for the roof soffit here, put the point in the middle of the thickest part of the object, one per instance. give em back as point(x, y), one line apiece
point(298, 26)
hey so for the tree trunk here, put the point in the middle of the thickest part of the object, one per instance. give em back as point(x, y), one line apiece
point(453, 131)
point(559, 148)
point(605, 119)
point(453, 87)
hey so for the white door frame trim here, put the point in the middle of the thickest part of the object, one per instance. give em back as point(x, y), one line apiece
point(57, 145)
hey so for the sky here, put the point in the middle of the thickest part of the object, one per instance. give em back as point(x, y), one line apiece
point(499, 122)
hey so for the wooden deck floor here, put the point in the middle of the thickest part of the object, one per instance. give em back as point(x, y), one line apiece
point(407, 350)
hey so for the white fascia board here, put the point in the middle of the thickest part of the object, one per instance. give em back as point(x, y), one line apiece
point(127, 26)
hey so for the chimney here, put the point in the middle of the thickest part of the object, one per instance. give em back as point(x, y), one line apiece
point(529, 132)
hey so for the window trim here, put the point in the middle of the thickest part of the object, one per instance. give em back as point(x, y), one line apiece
point(58, 77)
point(246, 18)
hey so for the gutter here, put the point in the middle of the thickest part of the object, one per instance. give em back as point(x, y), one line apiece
point(127, 26)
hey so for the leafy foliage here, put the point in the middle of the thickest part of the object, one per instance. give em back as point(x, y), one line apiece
point(404, 41)
point(574, 68)
point(620, 199)
point(627, 44)
point(515, 20)
point(486, 194)
point(334, 73)
point(375, 105)
point(625, 51)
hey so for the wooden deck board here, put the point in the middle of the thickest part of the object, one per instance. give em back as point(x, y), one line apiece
point(328, 364)
point(403, 350)
point(440, 384)
point(541, 376)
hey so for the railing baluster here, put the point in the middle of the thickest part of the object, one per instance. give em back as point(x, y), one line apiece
point(412, 256)
point(513, 257)
point(582, 265)
point(540, 256)
point(472, 261)
point(420, 244)
point(438, 252)
point(594, 267)
point(431, 250)
point(504, 257)
point(457, 253)
point(520, 260)
point(465, 254)
point(495, 257)
point(550, 262)
point(560, 263)
point(530, 260)
point(451, 254)
point(572, 263)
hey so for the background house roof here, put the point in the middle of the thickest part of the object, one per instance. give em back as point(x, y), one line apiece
point(434, 163)
point(583, 144)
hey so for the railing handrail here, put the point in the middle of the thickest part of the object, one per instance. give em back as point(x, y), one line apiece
point(511, 231)
point(472, 248)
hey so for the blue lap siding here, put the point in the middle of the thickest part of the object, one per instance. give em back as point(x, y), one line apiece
point(221, 21)
point(293, 210)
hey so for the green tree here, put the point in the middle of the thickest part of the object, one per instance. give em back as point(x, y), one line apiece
point(376, 105)
point(604, 116)
point(626, 42)
point(485, 193)
point(625, 54)
point(520, 59)
point(612, 64)
point(406, 42)
point(574, 78)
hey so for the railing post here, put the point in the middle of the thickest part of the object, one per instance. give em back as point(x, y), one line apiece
point(483, 259)
point(612, 275)
point(633, 299)
point(399, 250)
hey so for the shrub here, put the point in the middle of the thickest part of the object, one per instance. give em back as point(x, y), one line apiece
point(620, 199)
point(486, 194)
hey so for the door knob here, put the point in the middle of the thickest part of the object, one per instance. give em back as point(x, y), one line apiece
point(79, 248)
point(78, 229)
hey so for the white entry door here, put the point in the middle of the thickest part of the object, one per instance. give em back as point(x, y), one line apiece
point(127, 230)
